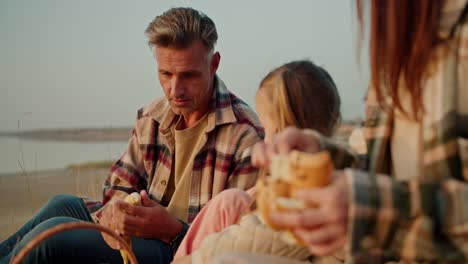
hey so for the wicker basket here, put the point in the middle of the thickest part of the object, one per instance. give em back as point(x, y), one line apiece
point(66, 227)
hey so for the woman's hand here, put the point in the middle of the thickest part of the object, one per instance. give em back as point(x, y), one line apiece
point(289, 139)
point(323, 226)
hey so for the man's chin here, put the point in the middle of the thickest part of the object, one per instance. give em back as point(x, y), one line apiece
point(181, 110)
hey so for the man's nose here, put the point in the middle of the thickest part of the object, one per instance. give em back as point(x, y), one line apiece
point(177, 88)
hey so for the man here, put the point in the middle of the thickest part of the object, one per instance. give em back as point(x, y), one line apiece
point(185, 148)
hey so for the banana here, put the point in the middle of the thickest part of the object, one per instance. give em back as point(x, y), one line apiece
point(134, 199)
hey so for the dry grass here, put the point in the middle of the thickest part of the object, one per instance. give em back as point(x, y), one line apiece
point(91, 165)
point(24, 193)
point(21, 195)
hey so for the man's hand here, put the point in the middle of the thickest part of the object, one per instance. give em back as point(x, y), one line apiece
point(284, 142)
point(150, 220)
point(107, 220)
point(323, 229)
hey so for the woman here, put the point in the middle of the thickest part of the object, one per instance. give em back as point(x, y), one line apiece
point(410, 203)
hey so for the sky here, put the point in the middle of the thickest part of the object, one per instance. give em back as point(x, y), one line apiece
point(75, 64)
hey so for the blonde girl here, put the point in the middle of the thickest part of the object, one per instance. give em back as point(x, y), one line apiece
point(299, 94)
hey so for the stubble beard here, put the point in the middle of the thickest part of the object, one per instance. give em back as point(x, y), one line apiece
point(183, 110)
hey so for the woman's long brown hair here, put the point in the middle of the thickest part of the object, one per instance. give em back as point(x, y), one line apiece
point(403, 35)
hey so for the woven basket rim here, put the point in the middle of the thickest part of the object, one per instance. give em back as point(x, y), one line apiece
point(18, 258)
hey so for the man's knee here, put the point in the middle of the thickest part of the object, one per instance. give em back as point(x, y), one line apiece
point(49, 223)
point(42, 227)
point(61, 200)
point(57, 247)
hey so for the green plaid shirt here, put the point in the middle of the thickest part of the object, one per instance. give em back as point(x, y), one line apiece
point(424, 219)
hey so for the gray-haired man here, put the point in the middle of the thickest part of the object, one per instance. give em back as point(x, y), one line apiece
point(185, 148)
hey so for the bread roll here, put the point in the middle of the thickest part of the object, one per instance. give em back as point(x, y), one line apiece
point(268, 190)
point(291, 172)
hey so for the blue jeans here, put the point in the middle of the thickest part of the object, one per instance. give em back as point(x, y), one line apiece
point(75, 246)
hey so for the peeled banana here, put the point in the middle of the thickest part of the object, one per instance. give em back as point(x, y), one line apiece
point(135, 199)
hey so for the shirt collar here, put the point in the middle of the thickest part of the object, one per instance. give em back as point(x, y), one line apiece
point(450, 15)
point(220, 111)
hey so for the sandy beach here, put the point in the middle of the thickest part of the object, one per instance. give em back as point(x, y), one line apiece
point(21, 195)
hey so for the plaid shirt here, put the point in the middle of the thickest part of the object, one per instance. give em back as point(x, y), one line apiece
point(424, 219)
point(223, 161)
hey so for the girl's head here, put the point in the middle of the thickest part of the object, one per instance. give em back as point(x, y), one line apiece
point(299, 94)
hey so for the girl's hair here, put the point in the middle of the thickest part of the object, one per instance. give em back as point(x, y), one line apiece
point(403, 35)
point(303, 95)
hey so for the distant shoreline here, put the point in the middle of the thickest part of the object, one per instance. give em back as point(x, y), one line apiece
point(117, 134)
point(75, 135)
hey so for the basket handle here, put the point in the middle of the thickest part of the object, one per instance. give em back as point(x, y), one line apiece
point(65, 227)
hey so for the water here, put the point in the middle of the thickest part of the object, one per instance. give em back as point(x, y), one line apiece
point(43, 155)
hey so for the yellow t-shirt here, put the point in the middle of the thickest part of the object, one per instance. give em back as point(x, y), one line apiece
point(188, 143)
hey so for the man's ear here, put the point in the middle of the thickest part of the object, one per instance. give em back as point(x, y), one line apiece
point(215, 59)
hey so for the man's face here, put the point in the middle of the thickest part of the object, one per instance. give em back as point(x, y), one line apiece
point(186, 76)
